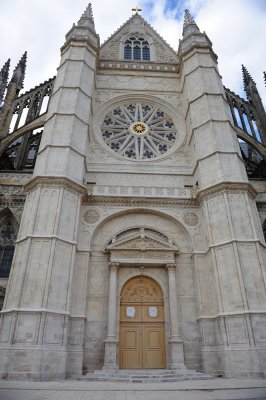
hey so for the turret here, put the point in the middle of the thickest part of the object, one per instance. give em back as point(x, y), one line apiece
point(84, 29)
point(192, 36)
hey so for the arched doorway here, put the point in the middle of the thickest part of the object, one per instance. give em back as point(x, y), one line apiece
point(142, 330)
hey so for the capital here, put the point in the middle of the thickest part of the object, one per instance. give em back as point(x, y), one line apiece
point(170, 267)
point(113, 266)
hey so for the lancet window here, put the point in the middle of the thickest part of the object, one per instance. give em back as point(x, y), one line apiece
point(7, 246)
point(137, 48)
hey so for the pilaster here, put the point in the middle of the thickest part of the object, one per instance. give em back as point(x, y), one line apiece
point(175, 342)
point(110, 344)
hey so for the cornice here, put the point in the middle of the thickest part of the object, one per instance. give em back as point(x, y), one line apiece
point(141, 202)
point(55, 180)
point(225, 187)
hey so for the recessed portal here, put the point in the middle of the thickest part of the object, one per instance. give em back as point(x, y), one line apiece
point(142, 330)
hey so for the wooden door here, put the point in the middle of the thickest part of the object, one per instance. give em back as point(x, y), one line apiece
point(142, 338)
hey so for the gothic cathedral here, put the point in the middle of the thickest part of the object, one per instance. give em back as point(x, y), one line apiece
point(133, 201)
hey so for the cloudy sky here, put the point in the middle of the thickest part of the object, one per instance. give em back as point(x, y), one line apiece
point(237, 29)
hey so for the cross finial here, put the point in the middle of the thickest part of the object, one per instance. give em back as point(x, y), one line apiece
point(136, 9)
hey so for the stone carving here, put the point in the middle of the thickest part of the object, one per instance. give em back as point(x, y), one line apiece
point(141, 289)
point(141, 191)
point(127, 254)
point(96, 153)
point(190, 219)
point(91, 216)
point(11, 189)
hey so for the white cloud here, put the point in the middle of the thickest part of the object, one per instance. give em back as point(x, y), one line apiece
point(236, 28)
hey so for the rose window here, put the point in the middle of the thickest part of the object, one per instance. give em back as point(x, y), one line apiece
point(138, 131)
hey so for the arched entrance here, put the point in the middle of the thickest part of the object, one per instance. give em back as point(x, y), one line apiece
point(142, 330)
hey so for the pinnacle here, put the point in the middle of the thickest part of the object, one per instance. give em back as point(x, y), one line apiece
point(19, 71)
point(87, 17)
point(4, 71)
point(264, 74)
point(4, 78)
point(188, 20)
point(189, 23)
point(246, 76)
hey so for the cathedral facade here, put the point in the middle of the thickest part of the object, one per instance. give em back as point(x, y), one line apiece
point(139, 240)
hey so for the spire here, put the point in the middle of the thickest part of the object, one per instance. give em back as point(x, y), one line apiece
point(4, 78)
point(188, 19)
point(247, 78)
point(87, 18)
point(264, 74)
point(189, 25)
point(84, 29)
point(19, 72)
point(249, 85)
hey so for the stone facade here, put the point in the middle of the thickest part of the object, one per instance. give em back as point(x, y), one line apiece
point(94, 216)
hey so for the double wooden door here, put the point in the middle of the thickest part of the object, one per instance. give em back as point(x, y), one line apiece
point(142, 337)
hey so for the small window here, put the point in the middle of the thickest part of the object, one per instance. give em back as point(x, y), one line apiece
point(137, 49)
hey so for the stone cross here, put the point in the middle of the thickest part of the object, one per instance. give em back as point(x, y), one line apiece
point(136, 9)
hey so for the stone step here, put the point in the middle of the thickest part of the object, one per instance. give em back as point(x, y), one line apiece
point(138, 376)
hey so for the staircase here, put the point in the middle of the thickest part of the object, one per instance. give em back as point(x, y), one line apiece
point(141, 376)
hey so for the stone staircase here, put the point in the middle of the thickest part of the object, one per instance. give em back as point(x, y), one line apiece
point(141, 376)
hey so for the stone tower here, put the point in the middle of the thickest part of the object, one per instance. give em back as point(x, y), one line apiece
point(140, 243)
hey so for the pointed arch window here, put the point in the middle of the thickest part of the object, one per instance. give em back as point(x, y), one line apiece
point(137, 48)
point(7, 246)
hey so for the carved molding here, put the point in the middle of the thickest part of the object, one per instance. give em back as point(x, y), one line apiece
point(225, 187)
point(135, 66)
point(15, 178)
point(11, 189)
point(56, 181)
point(141, 202)
point(140, 191)
point(142, 248)
point(12, 202)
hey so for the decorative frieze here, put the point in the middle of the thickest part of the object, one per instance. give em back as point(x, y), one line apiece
point(140, 191)
point(138, 66)
point(11, 189)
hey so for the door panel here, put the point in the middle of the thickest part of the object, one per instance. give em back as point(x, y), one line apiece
point(131, 346)
point(153, 346)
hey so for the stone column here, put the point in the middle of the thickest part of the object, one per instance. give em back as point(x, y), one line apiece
point(175, 342)
point(110, 348)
